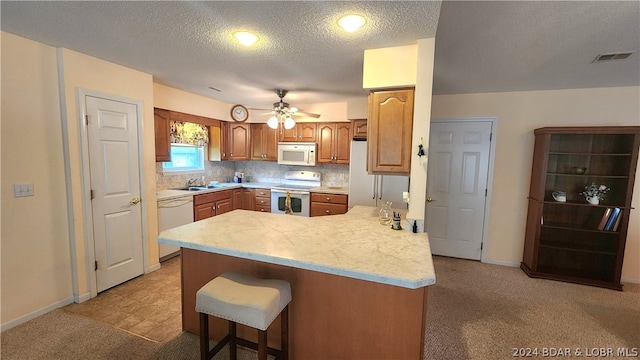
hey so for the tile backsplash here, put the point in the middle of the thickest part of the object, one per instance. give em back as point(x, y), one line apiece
point(259, 171)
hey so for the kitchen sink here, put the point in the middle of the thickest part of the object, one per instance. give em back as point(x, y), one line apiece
point(192, 188)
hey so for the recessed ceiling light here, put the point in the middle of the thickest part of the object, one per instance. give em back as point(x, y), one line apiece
point(351, 23)
point(246, 38)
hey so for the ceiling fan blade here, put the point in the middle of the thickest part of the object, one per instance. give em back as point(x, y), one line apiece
point(302, 113)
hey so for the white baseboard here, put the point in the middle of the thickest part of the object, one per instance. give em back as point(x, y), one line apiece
point(503, 263)
point(81, 298)
point(153, 268)
point(32, 315)
point(629, 280)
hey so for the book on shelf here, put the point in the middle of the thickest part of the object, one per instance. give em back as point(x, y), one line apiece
point(615, 214)
point(615, 226)
point(604, 218)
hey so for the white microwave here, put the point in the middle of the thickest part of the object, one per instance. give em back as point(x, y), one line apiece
point(296, 153)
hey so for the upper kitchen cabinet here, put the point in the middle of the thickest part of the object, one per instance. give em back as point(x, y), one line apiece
point(389, 130)
point(334, 140)
point(359, 127)
point(161, 125)
point(264, 143)
point(239, 142)
point(302, 132)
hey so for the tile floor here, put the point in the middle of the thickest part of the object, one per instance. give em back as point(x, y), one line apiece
point(148, 305)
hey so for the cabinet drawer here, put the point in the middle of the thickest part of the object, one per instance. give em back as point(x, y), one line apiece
point(329, 198)
point(263, 201)
point(263, 208)
point(211, 197)
point(322, 209)
point(262, 193)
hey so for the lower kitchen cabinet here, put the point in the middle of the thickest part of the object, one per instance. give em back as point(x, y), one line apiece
point(328, 204)
point(242, 199)
point(262, 200)
point(212, 204)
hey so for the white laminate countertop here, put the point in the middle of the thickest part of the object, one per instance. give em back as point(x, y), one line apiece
point(352, 245)
point(174, 194)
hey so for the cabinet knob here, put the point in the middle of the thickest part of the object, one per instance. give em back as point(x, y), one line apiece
point(327, 211)
point(328, 198)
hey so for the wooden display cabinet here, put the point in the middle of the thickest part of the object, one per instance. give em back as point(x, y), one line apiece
point(264, 143)
point(562, 239)
point(239, 141)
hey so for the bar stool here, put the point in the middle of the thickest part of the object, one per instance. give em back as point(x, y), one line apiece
point(243, 299)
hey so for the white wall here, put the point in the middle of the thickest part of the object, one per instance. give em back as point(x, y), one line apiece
point(36, 266)
point(519, 113)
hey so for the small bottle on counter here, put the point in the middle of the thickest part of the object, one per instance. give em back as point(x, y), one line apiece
point(415, 226)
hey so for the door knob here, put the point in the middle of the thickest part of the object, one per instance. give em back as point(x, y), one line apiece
point(135, 200)
point(429, 199)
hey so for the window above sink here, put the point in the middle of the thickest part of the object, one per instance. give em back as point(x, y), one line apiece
point(184, 158)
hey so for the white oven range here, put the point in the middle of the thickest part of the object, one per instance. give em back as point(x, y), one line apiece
point(298, 184)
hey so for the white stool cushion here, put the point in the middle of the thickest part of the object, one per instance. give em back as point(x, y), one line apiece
point(244, 299)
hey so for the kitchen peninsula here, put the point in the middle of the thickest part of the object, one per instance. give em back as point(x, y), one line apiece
point(359, 288)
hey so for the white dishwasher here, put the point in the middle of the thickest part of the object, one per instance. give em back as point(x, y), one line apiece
point(171, 213)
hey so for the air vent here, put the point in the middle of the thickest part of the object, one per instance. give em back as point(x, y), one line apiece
point(613, 56)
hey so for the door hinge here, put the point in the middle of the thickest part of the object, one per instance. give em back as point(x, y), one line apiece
point(490, 136)
point(91, 194)
point(86, 119)
point(485, 192)
point(481, 244)
point(96, 266)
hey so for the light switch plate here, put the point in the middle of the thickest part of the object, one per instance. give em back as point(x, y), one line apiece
point(22, 190)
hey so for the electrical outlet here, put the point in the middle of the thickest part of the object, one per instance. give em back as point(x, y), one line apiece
point(22, 190)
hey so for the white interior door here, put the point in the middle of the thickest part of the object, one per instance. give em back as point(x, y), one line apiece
point(115, 182)
point(456, 187)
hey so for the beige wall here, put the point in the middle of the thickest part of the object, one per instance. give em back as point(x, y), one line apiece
point(36, 266)
point(390, 67)
point(169, 98)
point(518, 114)
point(86, 72)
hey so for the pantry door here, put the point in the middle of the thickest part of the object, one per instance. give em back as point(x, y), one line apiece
point(112, 130)
point(457, 175)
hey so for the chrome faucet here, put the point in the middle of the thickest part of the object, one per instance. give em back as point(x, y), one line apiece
point(191, 182)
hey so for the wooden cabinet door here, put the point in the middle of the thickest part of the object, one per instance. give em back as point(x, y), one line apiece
point(326, 133)
point(224, 140)
point(239, 142)
point(334, 140)
point(247, 199)
point(264, 142)
point(203, 211)
point(258, 141)
point(359, 127)
point(238, 199)
point(342, 143)
point(287, 135)
point(389, 131)
point(223, 206)
point(161, 126)
point(306, 132)
point(302, 132)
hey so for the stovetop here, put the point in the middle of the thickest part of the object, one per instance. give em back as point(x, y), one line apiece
point(300, 180)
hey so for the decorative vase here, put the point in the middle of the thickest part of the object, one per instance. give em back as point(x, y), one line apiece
point(593, 200)
point(384, 215)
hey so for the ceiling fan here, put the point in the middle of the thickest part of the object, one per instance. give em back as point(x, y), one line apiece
point(283, 112)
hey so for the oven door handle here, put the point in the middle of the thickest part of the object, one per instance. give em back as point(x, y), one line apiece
point(284, 192)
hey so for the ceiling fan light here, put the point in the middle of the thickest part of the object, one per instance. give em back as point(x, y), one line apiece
point(272, 122)
point(245, 38)
point(351, 23)
point(289, 123)
point(293, 109)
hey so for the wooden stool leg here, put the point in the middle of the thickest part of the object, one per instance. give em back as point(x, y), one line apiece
point(204, 336)
point(262, 345)
point(233, 353)
point(284, 333)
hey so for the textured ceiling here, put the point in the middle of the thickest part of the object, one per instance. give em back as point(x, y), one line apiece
point(480, 46)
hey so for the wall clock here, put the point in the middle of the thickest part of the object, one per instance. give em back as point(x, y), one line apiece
point(239, 113)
